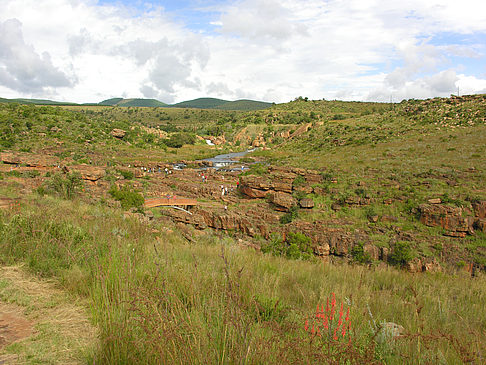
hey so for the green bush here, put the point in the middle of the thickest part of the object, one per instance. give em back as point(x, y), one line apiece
point(128, 198)
point(401, 254)
point(359, 255)
point(299, 181)
point(256, 169)
point(296, 246)
point(65, 186)
point(128, 175)
point(178, 140)
point(290, 216)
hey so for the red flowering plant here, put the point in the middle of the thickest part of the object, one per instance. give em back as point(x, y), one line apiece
point(330, 327)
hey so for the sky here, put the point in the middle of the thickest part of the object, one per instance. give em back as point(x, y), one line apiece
point(270, 50)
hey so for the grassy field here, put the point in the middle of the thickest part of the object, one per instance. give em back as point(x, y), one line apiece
point(157, 299)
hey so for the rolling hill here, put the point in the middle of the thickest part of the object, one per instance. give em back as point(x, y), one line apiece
point(213, 103)
point(200, 103)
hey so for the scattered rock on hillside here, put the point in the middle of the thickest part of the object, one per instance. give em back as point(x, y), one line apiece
point(118, 133)
point(479, 209)
point(434, 201)
point(282, 201)
point(253, 193)
point(306, 203)
point(480, 224)
point(91, 173)
point(449, 218)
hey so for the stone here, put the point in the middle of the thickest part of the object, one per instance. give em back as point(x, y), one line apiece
point(373, 218)
point(414, 266)
point(253, 193)
point(434, 201)
point(388, 218)
point(336, 207)
point(319, 190)
point(389, 331)
point(455, 234)
point(282, 201)
point(88, 172)
point(432, 266)
point(322, 250)
point(385, 253)
point(479, 208)
point(118, 133)
point(149, 215)
point(449, 218)
point(306, 203)
point(372, 250)
point(480, 224)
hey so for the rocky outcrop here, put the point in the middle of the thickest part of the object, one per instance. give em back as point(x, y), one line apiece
point(27, 159)
point(88, 172)
point(282, 201)
point(279, 179)
point(479, 208)
point(306, 203)
point(449, 218)
point(118, 133)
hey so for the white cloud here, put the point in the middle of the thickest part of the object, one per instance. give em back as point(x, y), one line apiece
point(262, 49)
point(21, 67)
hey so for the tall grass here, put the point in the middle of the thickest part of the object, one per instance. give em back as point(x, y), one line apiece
point(158, 299)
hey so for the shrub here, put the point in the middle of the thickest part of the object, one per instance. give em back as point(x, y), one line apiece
point(178, 140)
point(128, 198)
point(256, 169)
point(401, 254)
point(299, 181)
point(359, 255)
point(296, 246)
point(128, 175)
point(66, 186)
point(290, 216)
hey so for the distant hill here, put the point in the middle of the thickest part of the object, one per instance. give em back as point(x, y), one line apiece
point(213, 103)
point(111, 102)
point(35, 101)
point(200, 103)
point(245, 105)
point(152, 103)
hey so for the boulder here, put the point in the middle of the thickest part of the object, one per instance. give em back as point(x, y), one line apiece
point(282, 201)
point(118, 133)
point(372, 250)
point(306, 203)
point(88, 172)
point(480, 224)
point(432, 266)
point(479, 209)
point(322, 250)
point(252, 193)
point(388, 218)
point(389, 331)
point(449, 218)
point(414, 266)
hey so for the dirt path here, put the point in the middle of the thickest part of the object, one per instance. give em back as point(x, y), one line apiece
point(40, 324)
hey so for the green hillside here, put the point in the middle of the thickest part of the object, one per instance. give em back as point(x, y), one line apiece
point(245, 105)
point(111, 102)
point(213, 103)
point(35, 101)
point(201, 103)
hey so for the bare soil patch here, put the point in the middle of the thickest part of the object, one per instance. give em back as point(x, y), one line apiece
point(40, 323)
